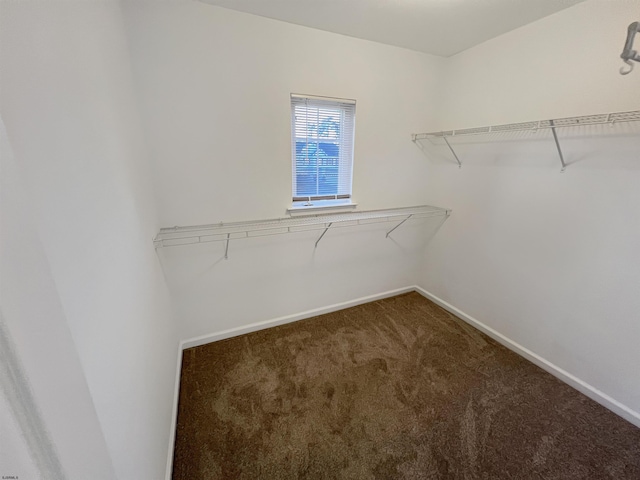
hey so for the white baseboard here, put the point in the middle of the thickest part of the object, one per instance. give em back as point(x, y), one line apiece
point(253, 327)
point(174, 415)
point(590, 391)
point(580, 385)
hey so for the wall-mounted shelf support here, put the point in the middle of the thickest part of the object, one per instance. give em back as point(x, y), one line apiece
point(225, 232)
point(555, 138)
point(453, 152)
point(389, 232)
point(226, 247)
point(535, 126)
point(322, 235)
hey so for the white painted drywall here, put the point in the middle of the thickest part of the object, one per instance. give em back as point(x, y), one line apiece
point(15, 454)
point(215, 88)
point(549, 260)
point(546, 259)
point(70, 113)
point(47, 418)
point(442, 28)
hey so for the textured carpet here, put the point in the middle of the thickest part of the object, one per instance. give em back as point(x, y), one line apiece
point(397, 388)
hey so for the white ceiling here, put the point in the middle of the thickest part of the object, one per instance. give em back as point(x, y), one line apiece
point(440, 27)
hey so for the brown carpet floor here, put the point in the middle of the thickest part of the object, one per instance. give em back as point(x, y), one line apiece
point(394, 389)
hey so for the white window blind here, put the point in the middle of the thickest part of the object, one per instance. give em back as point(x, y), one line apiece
point(322, 133)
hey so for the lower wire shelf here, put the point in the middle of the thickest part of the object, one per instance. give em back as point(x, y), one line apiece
point(224, 232)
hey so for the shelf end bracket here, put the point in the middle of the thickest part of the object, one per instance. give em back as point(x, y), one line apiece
point(452, 151)
point(226, 247)
point(322, 234)
point(389, 232)
point(555, 139)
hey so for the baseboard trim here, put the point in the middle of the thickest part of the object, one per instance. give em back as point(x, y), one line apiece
point(580, 385)
point(174, 415)
point(590, 391)
point(253, 327)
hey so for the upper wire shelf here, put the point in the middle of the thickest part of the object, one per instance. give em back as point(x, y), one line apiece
point(600, 119)
point(224, 232)
point(552, 125)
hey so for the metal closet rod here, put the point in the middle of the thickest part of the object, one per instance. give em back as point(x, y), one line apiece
point(225, 232)
point(598, 119)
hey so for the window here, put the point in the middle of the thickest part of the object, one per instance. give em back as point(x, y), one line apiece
point(322, 131)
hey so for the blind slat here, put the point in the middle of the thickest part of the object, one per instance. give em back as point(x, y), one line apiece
point(322, 141)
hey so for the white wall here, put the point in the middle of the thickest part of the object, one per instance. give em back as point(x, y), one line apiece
point(548, 259)
point(545, 258)
point(215, 88)
point(47, 418)
point(70, 113)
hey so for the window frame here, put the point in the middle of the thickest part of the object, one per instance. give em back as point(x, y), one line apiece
point(346, 138)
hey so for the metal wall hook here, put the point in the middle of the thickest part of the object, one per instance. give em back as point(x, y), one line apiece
point(628, 54)
point(627, 71)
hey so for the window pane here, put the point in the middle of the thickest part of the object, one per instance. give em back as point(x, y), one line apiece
point(322, 132)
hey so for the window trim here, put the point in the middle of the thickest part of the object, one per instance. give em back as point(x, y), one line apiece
point(330, 202)
point(318, 208)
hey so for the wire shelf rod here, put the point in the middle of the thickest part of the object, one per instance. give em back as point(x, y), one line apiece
point(599, 119)
point(225, 232)
point(535, 126)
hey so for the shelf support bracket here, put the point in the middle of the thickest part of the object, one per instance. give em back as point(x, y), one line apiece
point(322, 235)
point(452, 151)
point(389, 232)
point(555, 139)
point(226, 247)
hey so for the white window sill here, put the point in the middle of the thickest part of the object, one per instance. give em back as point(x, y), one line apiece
point(320, 206)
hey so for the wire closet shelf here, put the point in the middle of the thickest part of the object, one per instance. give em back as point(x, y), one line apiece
point(598, 119)
point(224, 232)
